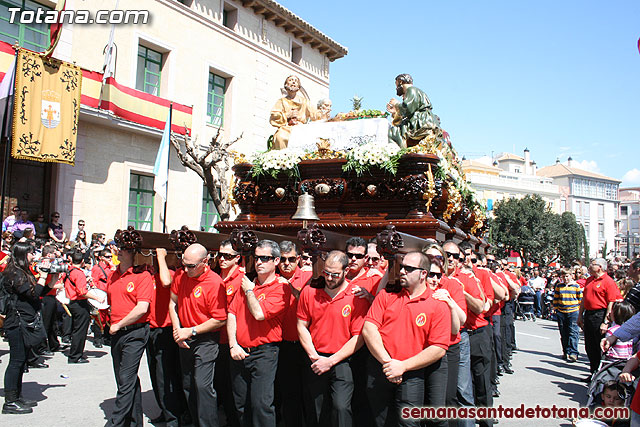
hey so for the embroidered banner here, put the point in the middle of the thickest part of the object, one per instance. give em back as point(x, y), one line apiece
point(46, 109)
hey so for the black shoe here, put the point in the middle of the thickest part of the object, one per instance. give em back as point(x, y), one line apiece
point(158, 419)
point(500, 372)
point(27, 402)
point(496, 393)
point(78, 361)
point(37, 365)
point(47, 353)
point(508, 370)
point(97, 344)
point(12, 405)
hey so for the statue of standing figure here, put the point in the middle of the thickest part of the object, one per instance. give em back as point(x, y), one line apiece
point(289, 111)
point(413, 119)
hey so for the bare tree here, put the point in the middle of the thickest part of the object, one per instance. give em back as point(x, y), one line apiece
point(212, 166)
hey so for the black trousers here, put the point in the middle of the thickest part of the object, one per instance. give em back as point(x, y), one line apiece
point(198, 366)
point(436, 377)
point(293, 364)
point(80, 319)
point(126, 351)
point(362, 414)
point(17, 360)
point(222, 384)
point(387, 399)
point(453, 366)
point(506, 329)
point(67, 327)
point(49, 308)
point(497, 338)
point(480, 345)
point(329, 396)
point(166, 378)
point(592, 336)
point(252, 382)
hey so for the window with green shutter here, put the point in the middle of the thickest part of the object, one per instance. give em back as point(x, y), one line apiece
point(215, 99)
point(149, 70)
point(210, 214)
point(33, 36)
point(141, 196)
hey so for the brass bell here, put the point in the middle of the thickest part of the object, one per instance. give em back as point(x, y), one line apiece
point(306, 210)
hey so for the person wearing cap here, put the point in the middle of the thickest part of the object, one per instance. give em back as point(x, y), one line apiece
point(329, 323)
point(292, 360)
point(405, 332)
point(130, 292)
point(197, 310)
point(254, 325)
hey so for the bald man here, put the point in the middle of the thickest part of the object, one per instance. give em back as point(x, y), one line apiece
point(198, 310)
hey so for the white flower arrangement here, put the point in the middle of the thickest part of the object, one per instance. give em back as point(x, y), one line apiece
point(384, 156)
point(275, 161)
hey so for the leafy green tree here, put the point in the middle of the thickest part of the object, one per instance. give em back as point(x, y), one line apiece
point(528, 226)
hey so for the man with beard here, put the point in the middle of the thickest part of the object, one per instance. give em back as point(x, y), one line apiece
point(413, 119)
point(405, 333)
point(289, 111)
point(329, 324)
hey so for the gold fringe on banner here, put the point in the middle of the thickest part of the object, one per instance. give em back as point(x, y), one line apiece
point(46, 109)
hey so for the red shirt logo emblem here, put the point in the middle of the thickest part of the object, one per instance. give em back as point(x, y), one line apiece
point(421, 319)
point(197, 292)
point(229, 289)
point(261, 297)
point(346, 310)
point(130, 287)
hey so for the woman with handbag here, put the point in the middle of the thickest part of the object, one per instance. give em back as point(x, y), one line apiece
point(23, 324)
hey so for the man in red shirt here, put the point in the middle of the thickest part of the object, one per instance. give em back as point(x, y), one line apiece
point(600, 292)
point(405, 332)
point(130, 291)
point(254, 325)
point(231, 273)
point(197, 310)
point(99, 274)
point(292, 361)
point(329, 324)
point(162, 350)
point(75, 286)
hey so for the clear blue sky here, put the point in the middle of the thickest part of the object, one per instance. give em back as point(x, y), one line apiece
point(559, 77)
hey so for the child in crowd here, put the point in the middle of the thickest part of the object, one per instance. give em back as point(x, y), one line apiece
point(620, 313)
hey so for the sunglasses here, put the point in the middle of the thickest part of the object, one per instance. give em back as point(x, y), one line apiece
point(81, 224)
point(265, 258)
point(433, 274)
point(374, 258)
point(331, 275)
point(473, 260)
point(291, 259)
point(436, 257)
point(453, 255)
point(357, 256)
point(55, 216)
point(305, 257)
point(192, 266)
point(227, 256)
point(409, 269)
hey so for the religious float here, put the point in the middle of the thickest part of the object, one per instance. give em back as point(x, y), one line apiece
point(325, 179)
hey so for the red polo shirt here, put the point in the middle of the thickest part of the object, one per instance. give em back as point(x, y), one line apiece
point(456, 290)
point(159, 307)
point(299, 280)
point(408, 326)
point(474, 288)
point(501, 281)
point(274, 298)
point(365, 281)
point(126, 289)
point(231, 284)
point(199, 298)
point(332, 322)
point(75, 284)
point(376, 276)
point(599, 292)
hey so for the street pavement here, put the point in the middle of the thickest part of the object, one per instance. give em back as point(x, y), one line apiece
point(83, 395)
